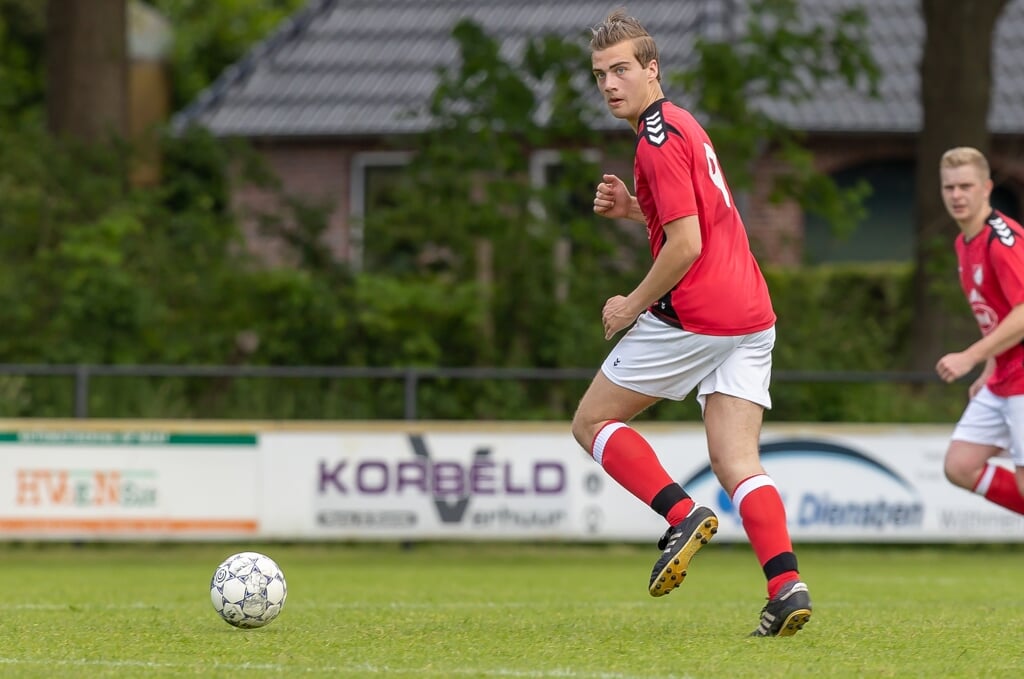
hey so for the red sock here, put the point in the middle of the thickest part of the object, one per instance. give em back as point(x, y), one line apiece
point(999, 485)
point(629, 459)
point(764, 519)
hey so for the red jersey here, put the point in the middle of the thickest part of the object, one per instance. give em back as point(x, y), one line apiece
point(676, 174)
point(991, 268)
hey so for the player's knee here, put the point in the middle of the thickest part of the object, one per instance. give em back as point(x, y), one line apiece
point(581, 432)
point(960, 470)
point(951, 474)
point(723, 474)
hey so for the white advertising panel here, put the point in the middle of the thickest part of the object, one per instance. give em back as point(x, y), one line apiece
point(872, 483)
point(876, 484)
point(127, 484)
point(473, 481)
point(460, 484)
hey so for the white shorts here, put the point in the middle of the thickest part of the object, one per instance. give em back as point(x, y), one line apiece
point(659, 360)
point(994, 421)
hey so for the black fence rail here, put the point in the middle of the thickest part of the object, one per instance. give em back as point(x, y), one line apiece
point(411, 377)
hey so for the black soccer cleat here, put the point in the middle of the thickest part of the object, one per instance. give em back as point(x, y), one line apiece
point(679, 544)
point(787, 613)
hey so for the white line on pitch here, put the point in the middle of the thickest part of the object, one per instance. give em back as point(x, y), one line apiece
point(558, 673)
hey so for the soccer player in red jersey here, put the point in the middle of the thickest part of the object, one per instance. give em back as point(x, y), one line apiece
point(701, 320)
point(990, 257)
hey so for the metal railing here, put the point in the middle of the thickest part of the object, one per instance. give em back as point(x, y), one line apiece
point(410, 377)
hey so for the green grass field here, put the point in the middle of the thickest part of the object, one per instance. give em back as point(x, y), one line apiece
point(509, 610)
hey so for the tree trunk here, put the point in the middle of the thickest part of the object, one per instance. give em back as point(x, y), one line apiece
point(956, 84)
point(87, 69)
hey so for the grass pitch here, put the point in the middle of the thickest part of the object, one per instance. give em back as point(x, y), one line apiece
point(509, 610)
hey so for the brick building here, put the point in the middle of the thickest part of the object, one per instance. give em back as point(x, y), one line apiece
point(327, 100)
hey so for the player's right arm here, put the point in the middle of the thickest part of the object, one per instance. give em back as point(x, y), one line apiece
point(1006, 257)
point(612, 199)
point(682, 247)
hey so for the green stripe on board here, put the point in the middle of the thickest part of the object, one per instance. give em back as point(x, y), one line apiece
point(125, 438)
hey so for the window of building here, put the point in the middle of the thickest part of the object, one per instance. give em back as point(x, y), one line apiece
point(886, 234)
point(887, 231)
point(373, 186)
point(1006, 201)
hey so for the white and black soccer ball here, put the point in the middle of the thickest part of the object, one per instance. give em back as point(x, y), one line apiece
point(248, 590)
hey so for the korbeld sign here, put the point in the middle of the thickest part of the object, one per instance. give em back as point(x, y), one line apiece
point(441, 485)
point(867, 483)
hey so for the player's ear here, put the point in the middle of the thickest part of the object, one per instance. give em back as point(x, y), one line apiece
point(654, 68)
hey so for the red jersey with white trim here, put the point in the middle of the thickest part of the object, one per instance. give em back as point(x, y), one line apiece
point(676, 174)
point(991, 268)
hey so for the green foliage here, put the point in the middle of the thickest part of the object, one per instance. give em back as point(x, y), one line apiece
point(402, 323)
point(841, 317)
point(473, 264)
point(851, 319)
point(208, 38)
point(472, 212)
point(784, 58)
point(848, 317)
point(22, 31)
point(99, 272)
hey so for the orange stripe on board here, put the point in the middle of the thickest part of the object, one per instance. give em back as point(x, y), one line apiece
point(58, 525)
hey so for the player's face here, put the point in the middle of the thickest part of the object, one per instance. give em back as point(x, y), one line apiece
point(627, 86)
point(965, 192)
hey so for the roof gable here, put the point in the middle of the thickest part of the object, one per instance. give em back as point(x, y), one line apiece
point(356, 68)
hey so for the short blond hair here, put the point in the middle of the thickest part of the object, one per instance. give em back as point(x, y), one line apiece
point(618, 27)
point(965, 155)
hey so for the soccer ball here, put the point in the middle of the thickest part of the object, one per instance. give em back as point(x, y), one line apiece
point(248, 590)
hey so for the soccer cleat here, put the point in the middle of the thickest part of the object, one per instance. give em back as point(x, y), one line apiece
point(787, 613)
point(679, 544)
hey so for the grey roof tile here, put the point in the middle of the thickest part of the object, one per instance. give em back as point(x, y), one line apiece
point(358, 67)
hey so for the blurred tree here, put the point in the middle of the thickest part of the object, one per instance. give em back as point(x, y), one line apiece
point(468, 210)
point(956, 88)
point(209, 37)
point(782, 57)
point(22, 40)
point(475, 211)
point(87, 69)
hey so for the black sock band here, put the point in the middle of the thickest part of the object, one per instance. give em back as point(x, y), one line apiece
point(779, 564)
point(667, 498)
